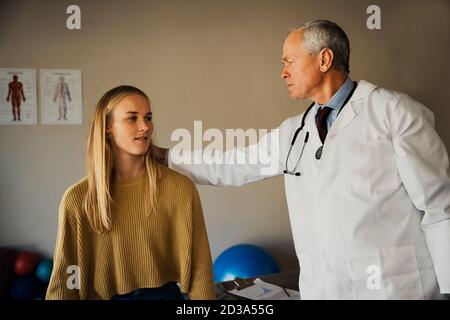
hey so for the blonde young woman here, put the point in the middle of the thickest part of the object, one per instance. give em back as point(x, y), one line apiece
point(132, 229)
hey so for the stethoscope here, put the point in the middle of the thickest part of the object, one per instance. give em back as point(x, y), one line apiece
point(318, 154)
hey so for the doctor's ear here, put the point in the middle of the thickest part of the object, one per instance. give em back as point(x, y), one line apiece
point(326, 59)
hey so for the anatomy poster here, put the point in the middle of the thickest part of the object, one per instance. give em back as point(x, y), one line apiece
point(18, 96)
point(61, 97)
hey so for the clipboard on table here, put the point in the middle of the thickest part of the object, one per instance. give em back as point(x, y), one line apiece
point(257, 289)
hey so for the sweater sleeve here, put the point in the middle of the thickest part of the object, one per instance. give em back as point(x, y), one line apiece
point(65, 275)
point(202, 284)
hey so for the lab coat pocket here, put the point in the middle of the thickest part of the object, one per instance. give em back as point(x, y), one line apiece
point(372, 166)
point(389, 273)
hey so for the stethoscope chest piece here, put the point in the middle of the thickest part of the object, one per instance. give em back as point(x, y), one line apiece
point(319, 152)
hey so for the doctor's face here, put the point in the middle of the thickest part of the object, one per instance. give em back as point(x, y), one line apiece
point(301, 70)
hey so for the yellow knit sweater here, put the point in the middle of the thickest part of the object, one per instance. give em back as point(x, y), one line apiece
point(141, 250)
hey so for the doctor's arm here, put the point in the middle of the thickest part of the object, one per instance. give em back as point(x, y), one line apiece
point(423, 165)
point(234, 167)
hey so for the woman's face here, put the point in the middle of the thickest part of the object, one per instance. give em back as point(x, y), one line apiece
point(130, 128)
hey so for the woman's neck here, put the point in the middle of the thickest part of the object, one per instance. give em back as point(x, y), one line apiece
point(128, 167)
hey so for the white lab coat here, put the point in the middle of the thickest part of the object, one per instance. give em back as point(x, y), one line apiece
point(371, 218)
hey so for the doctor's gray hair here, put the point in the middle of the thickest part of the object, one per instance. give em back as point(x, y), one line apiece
point(320, 34)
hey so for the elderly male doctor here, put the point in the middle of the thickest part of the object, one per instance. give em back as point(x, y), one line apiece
point(366, 178)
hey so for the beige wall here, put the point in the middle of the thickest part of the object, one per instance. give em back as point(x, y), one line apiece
point(210, 60)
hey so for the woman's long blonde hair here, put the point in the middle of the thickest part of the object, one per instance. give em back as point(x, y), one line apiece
point(100, 163)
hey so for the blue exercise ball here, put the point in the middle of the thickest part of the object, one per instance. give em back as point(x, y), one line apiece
point(44, 270)
point(243, 261)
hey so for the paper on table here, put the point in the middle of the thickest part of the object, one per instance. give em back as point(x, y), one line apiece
point(261, 290)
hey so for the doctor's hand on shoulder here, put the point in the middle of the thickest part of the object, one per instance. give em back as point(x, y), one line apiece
point(161, 155)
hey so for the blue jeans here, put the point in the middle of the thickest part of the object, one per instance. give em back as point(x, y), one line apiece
point(169, 291)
